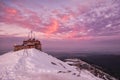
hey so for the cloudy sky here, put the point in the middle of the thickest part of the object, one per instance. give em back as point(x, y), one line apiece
point(62, 25)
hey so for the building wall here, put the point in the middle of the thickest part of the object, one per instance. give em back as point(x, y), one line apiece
point(29, 44)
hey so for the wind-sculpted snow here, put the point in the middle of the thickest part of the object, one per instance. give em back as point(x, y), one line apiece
point(32, 64)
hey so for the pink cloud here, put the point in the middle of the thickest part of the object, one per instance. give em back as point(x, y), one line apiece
point(53, 27)
point(56, 20)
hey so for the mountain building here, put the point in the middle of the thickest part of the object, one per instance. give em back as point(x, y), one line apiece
point(31, 42)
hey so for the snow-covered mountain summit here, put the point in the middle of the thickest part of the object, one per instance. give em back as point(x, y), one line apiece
point(32, 64)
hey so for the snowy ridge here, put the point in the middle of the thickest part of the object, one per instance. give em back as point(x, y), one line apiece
point(32, 64)
point(94, 70)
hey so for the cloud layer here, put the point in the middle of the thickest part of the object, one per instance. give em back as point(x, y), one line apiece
point(69, 19)
point(82, 20)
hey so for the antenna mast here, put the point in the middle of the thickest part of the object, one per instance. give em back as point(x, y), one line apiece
point(31, 35)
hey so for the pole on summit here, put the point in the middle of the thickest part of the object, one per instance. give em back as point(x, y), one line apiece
point(31, 35)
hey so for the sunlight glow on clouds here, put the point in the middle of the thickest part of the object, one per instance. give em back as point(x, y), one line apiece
point(75, 21)
point(12, 30)
point(61, 19)
point(53, 27)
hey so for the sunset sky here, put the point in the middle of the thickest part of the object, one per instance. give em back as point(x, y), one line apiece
point(62, 25)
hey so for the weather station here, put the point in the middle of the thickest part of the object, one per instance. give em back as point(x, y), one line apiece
point(31, 42)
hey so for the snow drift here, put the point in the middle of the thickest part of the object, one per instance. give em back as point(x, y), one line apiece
point(32, 64)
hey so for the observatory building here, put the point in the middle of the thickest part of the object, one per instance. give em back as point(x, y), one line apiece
point(31, 42)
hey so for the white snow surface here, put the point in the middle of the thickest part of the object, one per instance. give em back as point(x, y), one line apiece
point(32, 64)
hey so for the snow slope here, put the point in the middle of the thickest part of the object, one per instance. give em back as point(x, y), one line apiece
point(32, 64)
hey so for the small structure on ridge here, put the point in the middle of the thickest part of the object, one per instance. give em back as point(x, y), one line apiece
point(30, 43)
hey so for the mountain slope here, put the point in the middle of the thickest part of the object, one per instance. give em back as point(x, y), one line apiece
point(96, 70)
point(32, 64)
